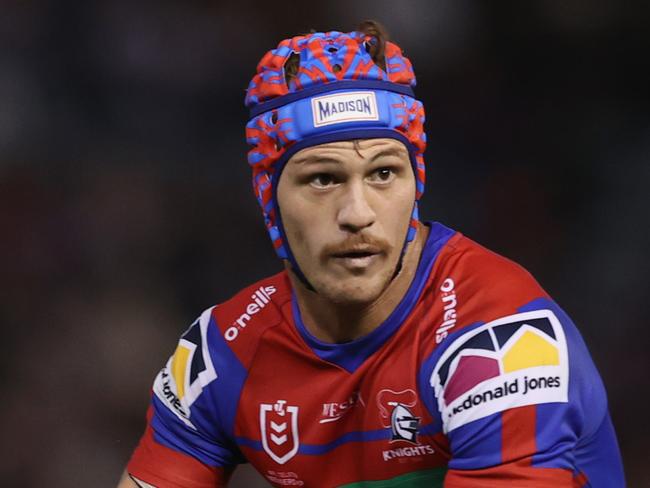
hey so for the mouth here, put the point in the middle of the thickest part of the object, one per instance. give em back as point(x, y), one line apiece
point(360, 257)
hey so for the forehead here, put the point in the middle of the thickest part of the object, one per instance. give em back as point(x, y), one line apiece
point(361, 148)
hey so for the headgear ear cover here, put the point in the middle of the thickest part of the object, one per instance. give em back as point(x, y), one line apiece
point(337, 94)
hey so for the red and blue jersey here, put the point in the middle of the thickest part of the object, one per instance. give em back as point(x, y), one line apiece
point(477, 378)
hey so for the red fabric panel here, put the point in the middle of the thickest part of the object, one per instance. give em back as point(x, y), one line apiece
point(518, 434)
point(518, 446)
point(519, 475)
point(165, 468)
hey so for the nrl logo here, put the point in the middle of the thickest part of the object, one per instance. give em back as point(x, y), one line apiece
point(279, 427)
point(404, 425)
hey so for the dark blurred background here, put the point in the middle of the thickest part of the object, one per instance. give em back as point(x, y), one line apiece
point(126, 207)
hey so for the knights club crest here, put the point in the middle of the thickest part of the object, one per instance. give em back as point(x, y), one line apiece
point(279, 428)
point(394, 410)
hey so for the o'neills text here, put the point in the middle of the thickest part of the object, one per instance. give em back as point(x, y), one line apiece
point(261, 298)
point(449, 309)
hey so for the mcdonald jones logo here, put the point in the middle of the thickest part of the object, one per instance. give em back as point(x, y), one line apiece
point(511, 362)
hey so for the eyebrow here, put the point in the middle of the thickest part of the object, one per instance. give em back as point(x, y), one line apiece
point(316, 159)
point(393, 151)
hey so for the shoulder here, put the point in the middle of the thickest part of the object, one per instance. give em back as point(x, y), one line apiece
point(507, 354)
point(480, 266)
point(486, 285)
point(213, 354)
point(242, 320)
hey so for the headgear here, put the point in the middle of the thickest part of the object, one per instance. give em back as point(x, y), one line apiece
point(338, 93)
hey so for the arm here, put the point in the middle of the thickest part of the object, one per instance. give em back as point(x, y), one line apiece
point(515, 390)
point(188, 439)
point(523, 405)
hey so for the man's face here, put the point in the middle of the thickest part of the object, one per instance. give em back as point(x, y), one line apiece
point(346, 209)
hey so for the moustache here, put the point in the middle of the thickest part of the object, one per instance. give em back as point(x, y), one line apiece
point(357, 243)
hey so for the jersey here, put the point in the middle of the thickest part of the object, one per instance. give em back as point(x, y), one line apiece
point(477, 378)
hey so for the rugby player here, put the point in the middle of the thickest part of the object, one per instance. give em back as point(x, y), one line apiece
point(390, 351)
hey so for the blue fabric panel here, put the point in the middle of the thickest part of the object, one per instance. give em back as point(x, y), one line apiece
point(599, 458)
point(477, 444)
point(213, 413)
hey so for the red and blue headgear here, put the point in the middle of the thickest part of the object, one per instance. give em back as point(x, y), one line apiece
point(338, 93)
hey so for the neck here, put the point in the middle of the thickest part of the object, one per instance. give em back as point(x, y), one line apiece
point(338, 323)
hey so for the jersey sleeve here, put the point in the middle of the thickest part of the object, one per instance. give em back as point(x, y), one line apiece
point(188, 439)
point(517, 393)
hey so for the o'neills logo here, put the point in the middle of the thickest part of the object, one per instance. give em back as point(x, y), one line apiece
point(344, 107)
point(261, 298)
point(449, 309)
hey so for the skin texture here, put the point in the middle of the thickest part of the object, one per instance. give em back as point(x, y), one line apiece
point(346, 207)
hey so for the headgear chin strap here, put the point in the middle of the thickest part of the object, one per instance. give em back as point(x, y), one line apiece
point(337, 94)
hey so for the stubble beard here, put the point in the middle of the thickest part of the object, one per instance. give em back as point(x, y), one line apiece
point(355, 292)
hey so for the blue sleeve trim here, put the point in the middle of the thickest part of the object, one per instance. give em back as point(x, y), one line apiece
point(321, 449)
point(207, 431)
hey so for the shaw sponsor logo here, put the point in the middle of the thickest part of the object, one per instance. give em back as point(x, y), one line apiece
point(279, 429)
point(344, 107)
point(411, 451)
point(187, 372)
point(511, 362)
point(261, 298)
point(335, 410)
point(449, 309)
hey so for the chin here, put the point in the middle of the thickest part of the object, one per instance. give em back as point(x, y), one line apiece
point(354, 292)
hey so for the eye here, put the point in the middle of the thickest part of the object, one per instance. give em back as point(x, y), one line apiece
point(383, 175)
point(322, 180)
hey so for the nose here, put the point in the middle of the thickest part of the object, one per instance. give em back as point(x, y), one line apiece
point(355, 212)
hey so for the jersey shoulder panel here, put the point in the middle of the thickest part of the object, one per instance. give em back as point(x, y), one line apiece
point(521, 393)
point(244, 319)
point(511, 380)
point(475, 284)
point(195, 394)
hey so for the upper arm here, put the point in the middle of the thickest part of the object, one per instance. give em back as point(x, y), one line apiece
point(521, 401)
point(514, 387)
point(188, 439)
